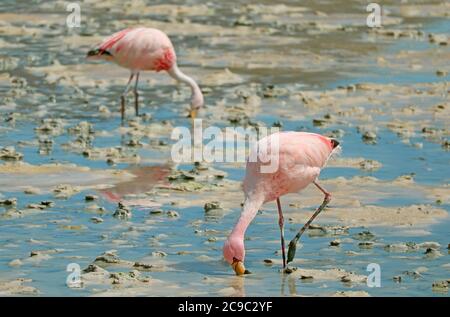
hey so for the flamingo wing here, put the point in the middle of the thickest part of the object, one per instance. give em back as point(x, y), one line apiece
point(113, 39)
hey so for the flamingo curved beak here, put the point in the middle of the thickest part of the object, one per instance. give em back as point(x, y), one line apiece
point(98, 54)
point(238, 267)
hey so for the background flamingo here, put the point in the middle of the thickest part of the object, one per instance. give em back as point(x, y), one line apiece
point(140, 49)
point(300, 160)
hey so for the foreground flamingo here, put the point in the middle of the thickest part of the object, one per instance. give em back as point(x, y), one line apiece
point(301, 156)
point(139, 49)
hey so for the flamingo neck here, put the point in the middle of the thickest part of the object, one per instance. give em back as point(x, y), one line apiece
point(251, 207)
point(196, 96)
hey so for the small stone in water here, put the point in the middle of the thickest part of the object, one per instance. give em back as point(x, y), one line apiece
point(90, 197)
point(200, 166)
point(365, 245)
point(429, 244)
point(440, 286)
point(122, 212)
point(277, 124)
point(65, 191)
point(243, 21)
point(9, 154)
point(211, 206)
point(413, 274)
point(369, 137)
point(134, 143)
point(346, 279)
point(446, 145)
point(156, 212)
point(35, 206)
point(397, 278)
point(32, 191)
point(335, 243)
point(9, 202)
point(72, 227)
point(364, 235)
point(16, 262)
point(93, 268)
point(319, 122)
point(369, 165)
point(104, 110)
point(96, 220)
point(289, 270)
point(47, 203)
point(159, 254)
point(432, 253)
point(173, 214)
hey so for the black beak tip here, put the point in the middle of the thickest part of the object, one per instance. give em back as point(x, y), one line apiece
point(98, 52)
point(335, 143)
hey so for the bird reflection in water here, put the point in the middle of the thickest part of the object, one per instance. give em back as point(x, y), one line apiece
point(146, 178)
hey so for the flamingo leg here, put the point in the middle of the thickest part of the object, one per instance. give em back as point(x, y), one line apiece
point(293, 243)
point(136, 95)
point(281, 224)
point(124, 95)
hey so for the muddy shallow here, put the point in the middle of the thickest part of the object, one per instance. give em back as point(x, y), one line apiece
point(66, 162)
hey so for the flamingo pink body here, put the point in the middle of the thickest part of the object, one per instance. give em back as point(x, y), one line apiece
point(301, 157)
point(145, 49)
point(140, 49)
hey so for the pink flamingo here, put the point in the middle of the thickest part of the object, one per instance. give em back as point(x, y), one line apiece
point(140, 49)
point(301, 156)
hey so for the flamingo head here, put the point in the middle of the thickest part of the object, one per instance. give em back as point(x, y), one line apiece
point(335, 148)
point(197, 100)
point(234, 254)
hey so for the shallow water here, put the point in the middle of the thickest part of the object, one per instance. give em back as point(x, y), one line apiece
point(311, 65)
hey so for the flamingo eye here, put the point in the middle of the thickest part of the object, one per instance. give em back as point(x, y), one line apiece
point(335, 143)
